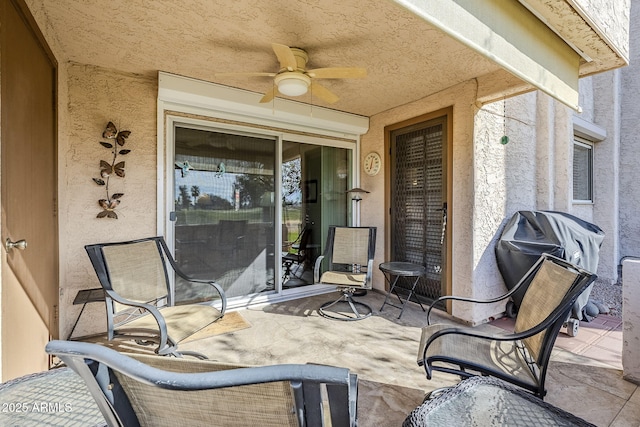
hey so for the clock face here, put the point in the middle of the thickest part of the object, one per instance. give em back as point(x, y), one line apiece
point(372, 164)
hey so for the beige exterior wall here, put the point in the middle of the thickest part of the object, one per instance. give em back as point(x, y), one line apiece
point(630, 147)
point(95, 97)
point(472, 262)
point(611, 18)
point(490, 181)
point(629, 203)
point(631, 318)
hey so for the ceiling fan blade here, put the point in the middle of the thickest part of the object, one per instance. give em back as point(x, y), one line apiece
point(285, 56)
point(337, 73)
point(245, 74)
point(269, 95)
point(323, 93)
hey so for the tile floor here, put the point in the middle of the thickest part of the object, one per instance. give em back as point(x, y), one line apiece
point(584, 377)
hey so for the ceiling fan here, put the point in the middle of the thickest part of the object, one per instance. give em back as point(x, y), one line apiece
point(294, 79)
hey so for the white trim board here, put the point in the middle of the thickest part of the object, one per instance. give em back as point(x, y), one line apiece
point(189, 95)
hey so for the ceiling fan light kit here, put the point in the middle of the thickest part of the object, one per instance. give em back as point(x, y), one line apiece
point(293, 78)
point(292, 83)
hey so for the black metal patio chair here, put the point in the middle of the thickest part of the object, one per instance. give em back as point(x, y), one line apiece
point(147, 390)
point(140, 299)
point(521, 357)
point(349, 254)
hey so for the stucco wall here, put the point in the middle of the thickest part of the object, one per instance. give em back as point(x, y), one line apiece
point(491, 181)
point(505, 182)
point(95, 97)
point(606, 171)
point(631, 319)
point(373, 205)
point(480, 196)
point(611, 19)
point(630, 146)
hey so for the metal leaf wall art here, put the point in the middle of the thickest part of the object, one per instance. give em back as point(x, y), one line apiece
point(115, 168)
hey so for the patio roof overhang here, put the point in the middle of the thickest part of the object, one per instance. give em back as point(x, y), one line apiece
point(411, 49)
point(522, 39)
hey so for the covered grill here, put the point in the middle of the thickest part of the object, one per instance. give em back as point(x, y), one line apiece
point(528, 234)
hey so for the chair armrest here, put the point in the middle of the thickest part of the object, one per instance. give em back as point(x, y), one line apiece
point(471, 332)
point(152, 309)
point(316, 269)
point(473, 300)
point(456, 298)
point(183, 275)
point(216, 286)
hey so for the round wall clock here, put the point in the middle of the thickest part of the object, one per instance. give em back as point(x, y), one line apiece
point(372, 164)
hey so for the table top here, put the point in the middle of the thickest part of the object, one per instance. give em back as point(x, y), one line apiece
point(486, 401)
point(402, 268)
point(57, 397)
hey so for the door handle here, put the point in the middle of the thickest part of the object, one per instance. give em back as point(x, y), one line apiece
point(20, 244)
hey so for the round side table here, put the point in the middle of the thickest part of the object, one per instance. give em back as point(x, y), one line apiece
point(410, 272)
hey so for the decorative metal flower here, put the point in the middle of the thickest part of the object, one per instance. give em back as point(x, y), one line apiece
point(107, 170)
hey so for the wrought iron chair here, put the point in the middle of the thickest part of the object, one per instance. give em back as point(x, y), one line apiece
point(521, 357)
point(147, 390)
point(349, 253)
point(298, 256)
point(140, 300)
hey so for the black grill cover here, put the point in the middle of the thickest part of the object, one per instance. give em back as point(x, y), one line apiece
point(528, 234)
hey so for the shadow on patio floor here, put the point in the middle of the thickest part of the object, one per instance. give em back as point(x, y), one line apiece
point(382, 350)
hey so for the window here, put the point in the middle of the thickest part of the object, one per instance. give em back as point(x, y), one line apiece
point(582, 170)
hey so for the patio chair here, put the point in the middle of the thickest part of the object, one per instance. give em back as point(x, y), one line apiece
point(349, 252)
point(521, 357)
point(147, 390)
point(297, 256)
point(140, 299)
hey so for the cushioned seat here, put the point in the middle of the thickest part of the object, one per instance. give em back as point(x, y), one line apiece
point(552, 287)
point(349, 254)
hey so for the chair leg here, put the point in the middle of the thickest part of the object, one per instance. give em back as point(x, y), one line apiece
point(350, 309)
point(287, 271)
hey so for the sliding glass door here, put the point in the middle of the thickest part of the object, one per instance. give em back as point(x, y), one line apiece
point(315, 180)
point(224, 195)
point(242, 201)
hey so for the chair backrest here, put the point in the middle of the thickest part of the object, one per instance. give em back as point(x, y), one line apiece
point(351, 245)
point(135, 270)
point(145, 390)
point(555, 285)
point(304, 239)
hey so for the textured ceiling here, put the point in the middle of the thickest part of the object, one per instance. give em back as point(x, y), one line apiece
point(406, 59)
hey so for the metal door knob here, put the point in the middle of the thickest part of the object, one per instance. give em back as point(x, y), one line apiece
point(20, 244)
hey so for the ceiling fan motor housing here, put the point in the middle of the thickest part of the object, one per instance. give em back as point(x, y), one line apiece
point(301, 57)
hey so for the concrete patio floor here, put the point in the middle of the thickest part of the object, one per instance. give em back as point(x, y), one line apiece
point(382, 351)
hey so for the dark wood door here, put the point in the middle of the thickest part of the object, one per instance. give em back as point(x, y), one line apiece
point(418, 153)
point(29, 191)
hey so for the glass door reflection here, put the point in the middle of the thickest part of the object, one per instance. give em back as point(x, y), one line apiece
point(314, 184)
point(224, 187)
